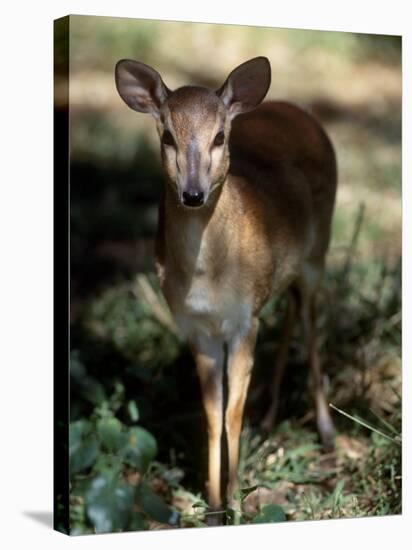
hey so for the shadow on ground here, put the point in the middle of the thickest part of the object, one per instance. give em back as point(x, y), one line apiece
point(43, 518)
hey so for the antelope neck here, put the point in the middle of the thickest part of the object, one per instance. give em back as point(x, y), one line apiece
point(184, 227)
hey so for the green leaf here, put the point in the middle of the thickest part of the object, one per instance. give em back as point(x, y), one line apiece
point(133, 411)
point(110, 433)
point(155, 507)
point(77, 431)
point(85, 456)
point(271, 513)
point(140, 449)
point(83, 448)
point(88, 387)
point(109, 503)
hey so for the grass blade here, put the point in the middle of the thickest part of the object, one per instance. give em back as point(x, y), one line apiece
point(385, 423)
point(366, 425)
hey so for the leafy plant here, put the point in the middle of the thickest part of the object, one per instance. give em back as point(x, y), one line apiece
point(109, 462)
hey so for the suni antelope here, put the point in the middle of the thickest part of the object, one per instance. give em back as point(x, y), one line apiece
point(246, 212)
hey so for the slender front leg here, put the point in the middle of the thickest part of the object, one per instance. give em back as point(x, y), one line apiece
point(208, 355)
point(240, 363)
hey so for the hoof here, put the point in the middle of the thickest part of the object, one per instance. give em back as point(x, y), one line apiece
point(214, 520)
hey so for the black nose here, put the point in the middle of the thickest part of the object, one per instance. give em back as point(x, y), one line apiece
point(193, 198)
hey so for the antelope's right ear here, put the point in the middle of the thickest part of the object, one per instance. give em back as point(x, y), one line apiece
point(246, 86)
point(140, 86)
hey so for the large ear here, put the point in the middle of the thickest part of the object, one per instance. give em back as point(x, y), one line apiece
point(140, 86)
point(246, 86)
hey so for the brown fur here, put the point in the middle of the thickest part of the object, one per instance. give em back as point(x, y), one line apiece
point(264, 227)
point(271, 215)
point(273, 210)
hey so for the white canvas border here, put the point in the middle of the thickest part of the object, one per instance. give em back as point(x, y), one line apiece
point(26, 274)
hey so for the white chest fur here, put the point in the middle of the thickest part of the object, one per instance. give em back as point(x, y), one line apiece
point(206, 306)
point(224, 319)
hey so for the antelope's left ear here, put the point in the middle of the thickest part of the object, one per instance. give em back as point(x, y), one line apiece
point(246, 86)
point(140, 86)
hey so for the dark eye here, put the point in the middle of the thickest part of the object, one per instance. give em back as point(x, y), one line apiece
point(167, 138)
point(219, 139)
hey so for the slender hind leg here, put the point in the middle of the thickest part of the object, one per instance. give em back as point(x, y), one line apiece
point(281, 360)
point(323, 418)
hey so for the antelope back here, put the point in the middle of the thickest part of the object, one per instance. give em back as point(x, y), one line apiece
point(285, 151)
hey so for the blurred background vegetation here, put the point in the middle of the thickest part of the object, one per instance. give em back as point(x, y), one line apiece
point(137, 432)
